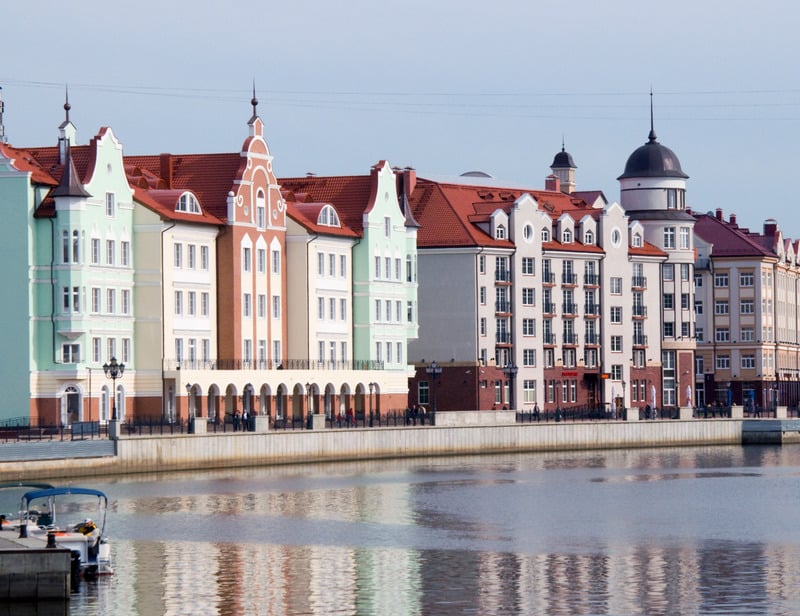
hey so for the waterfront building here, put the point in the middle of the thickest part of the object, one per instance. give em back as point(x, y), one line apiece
point(748, 289)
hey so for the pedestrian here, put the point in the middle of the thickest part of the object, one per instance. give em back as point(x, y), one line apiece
point(236, 419)
point(245, 421)
point(536, 413)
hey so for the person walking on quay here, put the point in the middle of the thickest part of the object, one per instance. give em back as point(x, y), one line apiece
point(236, 418)
point(536, 413)
point(245, 421)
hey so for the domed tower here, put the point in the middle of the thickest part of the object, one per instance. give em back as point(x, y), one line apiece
point(563, 168)
point(653, 192)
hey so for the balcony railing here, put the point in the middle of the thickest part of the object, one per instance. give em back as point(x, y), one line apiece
point(549, 307)
point(502, 337)
point(590, 309)
point(639, 340)
point(549, 339)
point(591, 280)
point(591, 339)
point(269, 364)
point(548, 278)
point(639, 311)
point(502, 306)
point(571, 339)
point(569, 308)
point(570, 279)
point(502, 275)
point(639, 282)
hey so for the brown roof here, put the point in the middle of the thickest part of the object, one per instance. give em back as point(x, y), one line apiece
point(729, 241)
point(307, 214)
point(350, 195)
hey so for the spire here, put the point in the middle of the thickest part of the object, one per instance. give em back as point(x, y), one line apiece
point(652, 136)
point(70, 185)
point(563, 148)
point(67, 106)
point(254, 100)
point(2, 126)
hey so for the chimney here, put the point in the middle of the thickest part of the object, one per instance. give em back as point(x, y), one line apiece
point(551, 182)
point(166, 169)
point(770, 226)
point(719, 213)
point(410, 183)
point(732, 220)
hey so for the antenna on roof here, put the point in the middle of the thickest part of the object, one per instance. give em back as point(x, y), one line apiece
point(2, 126)
point(67, 106)
point(254, 100)
point(652, 136)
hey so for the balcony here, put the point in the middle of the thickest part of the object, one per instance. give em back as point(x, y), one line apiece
point(639, 340)
point(570, 339)
point(639, 312)
point(502, 275)
point(502, 307)
point(548, 307)
point(548, 278)
point(569, 279)
point(591, 310)
point(592, 339)
point(569, 308)
point(502, 337)
point(549, 339)
point(591, 280)
point(639, 282)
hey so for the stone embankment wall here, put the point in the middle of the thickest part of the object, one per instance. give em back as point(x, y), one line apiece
point(206, 451)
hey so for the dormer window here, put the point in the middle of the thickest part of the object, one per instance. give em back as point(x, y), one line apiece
point(187, 202)
point(500, 233)
point(328, 217)
point(588, 237)
point(545, 235)
point(566, 236)
point(637, 240)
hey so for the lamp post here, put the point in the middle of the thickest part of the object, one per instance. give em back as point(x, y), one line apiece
point(309, 410)
point(371, 390)
point(434, 372)
point(624, 384)
point(114, 371)
point(510, 370)
point(189, 399)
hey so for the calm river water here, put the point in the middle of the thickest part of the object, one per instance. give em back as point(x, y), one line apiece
point(656, 531)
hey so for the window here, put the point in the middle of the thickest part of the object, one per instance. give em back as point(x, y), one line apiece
point(528, 327)
point(328, 217)
point(204, 258)
point(686, 330)
point(377, 267)
point(529, 391)
point(276, 269)
point(566, 236)
point(588, 237)
point(110, 249)
point(261, 260)
point(125, 253)
point(410, 311)
point(110, 204)
point(246, 305)
point(65, 247)
point(669, 329)
point(698, 306)
point(262, 306)
point(545, 235)
point(125, 296)
point(387, 270)
point(748, 334)
point(111, 343)
point(343, 309)
point(528, 264)
point(204, 304)
point(669, 271)
point(332, 308)
point(276, 306)
point(616, 344)
point(343, 266)
point(388, 311)
point(721, 280)
point(178, 302)
point(723, 362)
point(747, 306)
point(684, 237)
point(722, 334)
point(65, 299)
point(684, 301)
point(126, 350)
point(616, 314)
point(699, 334)
point(320, 264)
point(206, 349)
point(528, 297)
point(246, 259)
point(527, 233)
point(669, 237)
point(76, 299)
point(398, 269)
point(748, 362)
point(721, 307)
point(387, 226)
point(669, 301)
point(529, 357)
point(746, 279)
point(332, 265)
point(615, 284)
point(500, 233)
point(261, 212)
point(616, 372)
point(699, 365)
point(482, 294)
point(97, 350)
point(76, 243)
point(481, 265)
point(70, 353)
point(95, 251)
point(187, 203)
point(178, 255)
point(191, 256)
point(96, 307)
point(321, 308)
point(637, 240)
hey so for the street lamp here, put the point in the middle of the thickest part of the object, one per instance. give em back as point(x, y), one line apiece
point(189, 397)
point(624, 384)
point(510, 370)
point(434, 372)
point(114, 371)
point(371, 390)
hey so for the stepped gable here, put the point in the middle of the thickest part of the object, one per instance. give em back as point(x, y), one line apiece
point(348, 194)
point(208, 176)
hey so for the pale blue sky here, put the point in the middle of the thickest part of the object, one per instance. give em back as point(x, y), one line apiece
point(444, 86)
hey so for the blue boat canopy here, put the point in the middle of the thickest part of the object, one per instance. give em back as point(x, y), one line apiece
point(37, 494)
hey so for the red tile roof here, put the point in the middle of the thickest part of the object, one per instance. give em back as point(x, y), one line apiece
point(307, 214)
point(25, 162)
point(729, 241)
point(350, 195)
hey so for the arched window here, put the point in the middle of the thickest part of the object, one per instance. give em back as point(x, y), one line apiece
point(187, 202)
point(566, 236)
point(328, 217)
point(500, 233)
point(261, 210)
point(545, 235)
point(588, 237)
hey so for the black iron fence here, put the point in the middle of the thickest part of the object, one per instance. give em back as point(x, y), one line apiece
point(19, 432)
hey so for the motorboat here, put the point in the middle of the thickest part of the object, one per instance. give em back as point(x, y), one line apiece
point(43, 514)
point(10, 493)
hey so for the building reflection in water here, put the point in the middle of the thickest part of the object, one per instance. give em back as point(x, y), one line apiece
point(557, 534)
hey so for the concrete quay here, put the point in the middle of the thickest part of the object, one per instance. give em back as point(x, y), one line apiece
point(468, 434)
point(31, 572)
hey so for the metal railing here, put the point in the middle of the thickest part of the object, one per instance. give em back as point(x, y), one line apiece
point(285, 364)
point(15, 431)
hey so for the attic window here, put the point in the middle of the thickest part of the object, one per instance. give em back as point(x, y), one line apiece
point(500, 233)
point(566, 236)
point(328, 217)
point(637, 240)
point(187, 202)
point(588, 237)
point(545, 235)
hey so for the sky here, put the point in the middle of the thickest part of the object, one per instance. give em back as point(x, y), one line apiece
point(444, 86)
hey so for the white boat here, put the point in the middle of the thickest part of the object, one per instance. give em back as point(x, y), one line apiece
point(41, 517)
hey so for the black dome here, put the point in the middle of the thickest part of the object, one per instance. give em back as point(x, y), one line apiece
point(653, 160)
point(563, 160)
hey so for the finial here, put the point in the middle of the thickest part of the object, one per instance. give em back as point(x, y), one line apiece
point(254, 100)
point(562, 144)
point(652, 136)
point(67, 106)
